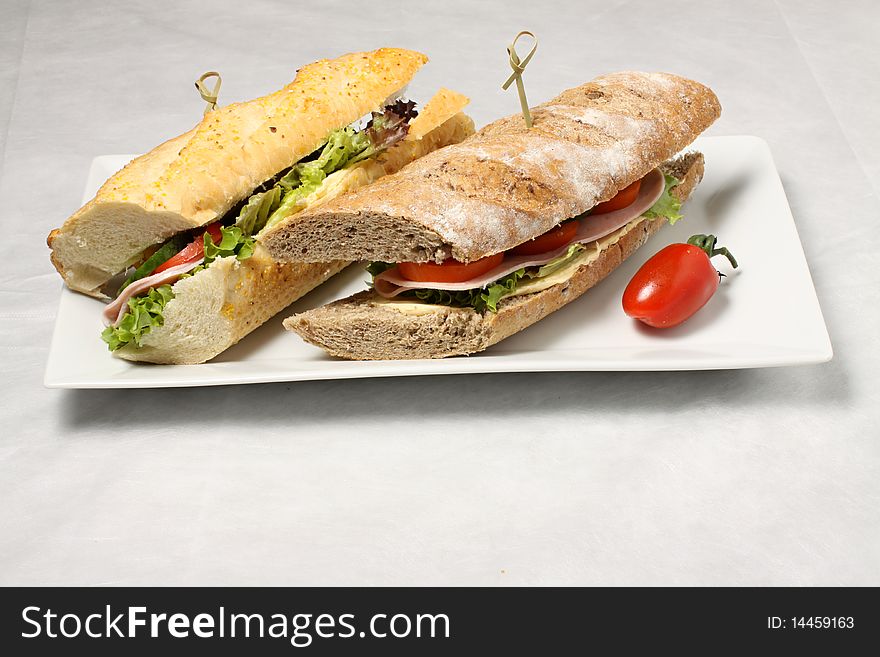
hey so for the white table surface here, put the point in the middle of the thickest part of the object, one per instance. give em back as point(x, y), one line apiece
point(737, 477)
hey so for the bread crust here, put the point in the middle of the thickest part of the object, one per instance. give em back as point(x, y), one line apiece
point(356, 328)
point(508, 184)
point(197, 177)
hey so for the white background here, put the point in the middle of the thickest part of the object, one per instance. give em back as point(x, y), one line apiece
point(739, 477)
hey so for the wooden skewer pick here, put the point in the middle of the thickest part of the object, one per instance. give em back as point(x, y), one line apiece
point(518, 68)
point(209, 95)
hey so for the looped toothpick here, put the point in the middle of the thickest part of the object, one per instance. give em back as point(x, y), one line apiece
point(209, 95)
point(518, 68)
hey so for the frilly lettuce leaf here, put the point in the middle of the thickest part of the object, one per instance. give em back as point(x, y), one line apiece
point(480, 299)
point(455, 298)
point(254, 215)
point(501, 288)
point(667, 205)
point(233, 242)
point(144, 312)
point(388, 127)
point(558, 263)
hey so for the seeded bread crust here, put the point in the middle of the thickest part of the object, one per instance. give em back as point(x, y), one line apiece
point(357, 328)
point(506, 184)
point(193, 179)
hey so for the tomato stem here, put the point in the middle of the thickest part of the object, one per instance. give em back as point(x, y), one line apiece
point(707, 244)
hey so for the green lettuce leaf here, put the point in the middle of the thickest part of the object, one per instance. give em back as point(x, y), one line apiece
point(144, 312)
point(501, 288)
point(455, 298)
point(667, 206)
point(254, 215)
point(558, 263)
point(233, 242)
point(479, 299)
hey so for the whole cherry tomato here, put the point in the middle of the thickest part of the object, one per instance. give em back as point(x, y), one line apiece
point(675, 282)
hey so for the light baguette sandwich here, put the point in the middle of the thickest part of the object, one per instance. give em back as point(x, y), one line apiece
point(171, 237)
point(482, 239)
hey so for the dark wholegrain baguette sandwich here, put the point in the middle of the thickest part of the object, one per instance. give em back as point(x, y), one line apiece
point(478, 240)
point(170, 239)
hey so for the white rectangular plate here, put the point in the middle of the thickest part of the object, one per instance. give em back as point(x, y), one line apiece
point(764, 314)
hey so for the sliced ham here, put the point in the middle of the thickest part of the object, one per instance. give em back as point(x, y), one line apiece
point(390, 283)
point(116, 309)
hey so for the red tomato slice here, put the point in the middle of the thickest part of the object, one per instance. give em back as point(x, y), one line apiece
point(549, 241)
point(448, 271)
point(192, 251)
point(623, 198)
